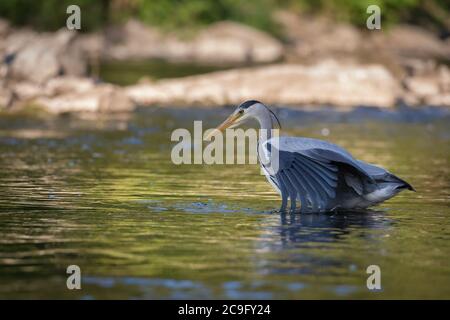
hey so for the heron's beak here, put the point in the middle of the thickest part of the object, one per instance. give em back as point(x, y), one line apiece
point(229, 122)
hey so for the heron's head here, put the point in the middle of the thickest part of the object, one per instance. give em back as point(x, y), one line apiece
point(250, 109)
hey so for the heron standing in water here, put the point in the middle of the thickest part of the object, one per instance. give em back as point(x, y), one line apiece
point(322, 175)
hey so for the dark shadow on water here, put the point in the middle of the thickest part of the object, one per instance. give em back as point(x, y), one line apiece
point(328, 227)
point(301, 241)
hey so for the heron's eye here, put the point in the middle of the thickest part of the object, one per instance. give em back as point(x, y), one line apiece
point(241, 111)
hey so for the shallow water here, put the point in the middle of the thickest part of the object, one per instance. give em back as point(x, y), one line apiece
point(104, 195)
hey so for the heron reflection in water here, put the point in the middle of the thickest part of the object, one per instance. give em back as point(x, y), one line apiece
point(322, 175)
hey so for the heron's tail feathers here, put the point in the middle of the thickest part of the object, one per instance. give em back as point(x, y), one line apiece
point(402, 184)
point(406, 185)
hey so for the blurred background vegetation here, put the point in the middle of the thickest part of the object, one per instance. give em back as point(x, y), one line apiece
point(180, 14)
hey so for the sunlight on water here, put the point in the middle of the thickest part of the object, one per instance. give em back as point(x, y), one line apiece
point(104, 195)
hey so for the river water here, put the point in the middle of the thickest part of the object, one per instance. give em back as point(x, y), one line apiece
point(103, 194)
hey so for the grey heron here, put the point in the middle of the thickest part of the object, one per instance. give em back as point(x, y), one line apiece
point(322, 175)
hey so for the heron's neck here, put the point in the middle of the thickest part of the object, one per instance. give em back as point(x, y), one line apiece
point(266, 123)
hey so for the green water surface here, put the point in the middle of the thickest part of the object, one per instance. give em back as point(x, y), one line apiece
point(103, 194)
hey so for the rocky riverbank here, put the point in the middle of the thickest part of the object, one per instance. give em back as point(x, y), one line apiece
point(317, 63)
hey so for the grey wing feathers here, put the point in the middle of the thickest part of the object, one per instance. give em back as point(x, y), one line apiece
point(319, 173)
point(335, 157)
point(371, 169)
point(295, 144)
point(321, 151)
point(381, 175)
point(312, 181)
point(310, 169)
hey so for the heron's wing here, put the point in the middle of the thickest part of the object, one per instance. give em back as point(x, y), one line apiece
point(296, 144)
point(313, 167)
point(383, 176)
point(323, 151)
point(313, 181)
point(371, 169)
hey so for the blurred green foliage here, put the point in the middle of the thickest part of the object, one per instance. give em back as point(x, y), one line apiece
point(431, 12)
point(51, 14)
point(188, 14)
point(176, 14)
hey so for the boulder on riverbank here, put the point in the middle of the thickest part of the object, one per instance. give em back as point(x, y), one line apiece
point(104, 98)
point(67, 94)
point(39, 57)
point(325, 83)
point(221, 43)
point(326, 64)
point(310, 40)
point(428, 85)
